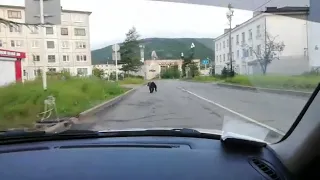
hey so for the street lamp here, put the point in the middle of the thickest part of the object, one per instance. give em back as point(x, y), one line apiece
point(229, 17)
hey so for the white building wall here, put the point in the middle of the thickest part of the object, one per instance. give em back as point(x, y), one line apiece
point(33, 45)
point(240, 62)
point(292, 31)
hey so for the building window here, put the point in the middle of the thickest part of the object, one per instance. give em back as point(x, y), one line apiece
point(259, 49)
point(79, 31)
point(35, 44)
point(15, 28)
point(237, 39)
point(77, 18)
point(16, 43)
point(220, 46)
point(245, 53)
point(81, 58)
point(224, 44)
point(35, 57)
point(243, 38)
point(232, 41)
point(65, 44)
point(80, 45)
point(0, 43)
point(250, 51)
point(49, 30)
point(227, 42)
point(51, 58)
point(14, 14)
point(52, 69)
point(34, 30)
point(65, 69)
point(50, 44)
point(64, 31)
point(258, 31)
point(82, 71)
point(65, 58)
point(220, 58)
point(37, 72)
point(238, 54)
point(250, 34)
point(224, 57)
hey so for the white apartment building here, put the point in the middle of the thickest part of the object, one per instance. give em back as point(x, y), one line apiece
point(108, 68)
point(65, 46)
point(288, 25)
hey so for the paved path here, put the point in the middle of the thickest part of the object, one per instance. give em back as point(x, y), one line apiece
point(197, 105)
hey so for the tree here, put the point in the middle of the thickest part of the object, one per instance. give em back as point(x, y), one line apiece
point(187, 61)
point(268, 52)
point(98, 73)
point(129, 51)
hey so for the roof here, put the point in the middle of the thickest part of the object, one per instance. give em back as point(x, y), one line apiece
point(63, 10)
point(287, 10)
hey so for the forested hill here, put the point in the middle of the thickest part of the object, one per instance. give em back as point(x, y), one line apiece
point(166, 48)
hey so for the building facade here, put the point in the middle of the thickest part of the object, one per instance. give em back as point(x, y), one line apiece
point(60, 47)
point(248, 40)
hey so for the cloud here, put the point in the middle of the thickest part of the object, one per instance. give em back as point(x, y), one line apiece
point(111, 19)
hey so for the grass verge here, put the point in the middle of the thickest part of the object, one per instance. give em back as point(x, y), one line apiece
point(298, 83)
point(21, 103)
point(131, 80)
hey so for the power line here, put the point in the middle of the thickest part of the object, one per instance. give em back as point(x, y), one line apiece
point(262, 5)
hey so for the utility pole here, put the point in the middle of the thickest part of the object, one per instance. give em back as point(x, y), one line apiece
point(42, 30)
point(229, 16)
point(115, 49)
point(37, 13)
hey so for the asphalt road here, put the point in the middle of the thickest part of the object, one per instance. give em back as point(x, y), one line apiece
point(198, 105)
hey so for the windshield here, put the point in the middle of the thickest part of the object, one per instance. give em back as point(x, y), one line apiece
point(143, 64)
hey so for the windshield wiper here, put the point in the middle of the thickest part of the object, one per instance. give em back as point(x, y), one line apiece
point(175, 132)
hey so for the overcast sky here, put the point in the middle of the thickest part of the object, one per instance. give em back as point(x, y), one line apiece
point(111, 19)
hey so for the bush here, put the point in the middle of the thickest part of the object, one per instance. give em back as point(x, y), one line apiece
point(98, 73)
point(21, 103)
point(171, 73)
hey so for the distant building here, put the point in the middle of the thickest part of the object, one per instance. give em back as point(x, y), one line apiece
point(67, 46)
point(287, 24)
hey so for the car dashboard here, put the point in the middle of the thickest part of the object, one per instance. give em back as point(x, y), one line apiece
point(148, 157)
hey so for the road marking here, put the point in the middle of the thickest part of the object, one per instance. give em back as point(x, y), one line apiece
point(234, 112)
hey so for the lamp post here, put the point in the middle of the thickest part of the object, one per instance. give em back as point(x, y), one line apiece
point(229, 17)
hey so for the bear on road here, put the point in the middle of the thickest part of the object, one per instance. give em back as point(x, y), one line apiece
point(152, 86)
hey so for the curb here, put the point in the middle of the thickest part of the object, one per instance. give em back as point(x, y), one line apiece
point(68, 123)
point(107, 104)
point(276, 91)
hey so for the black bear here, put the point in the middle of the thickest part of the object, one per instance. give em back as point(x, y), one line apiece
point(152, 86)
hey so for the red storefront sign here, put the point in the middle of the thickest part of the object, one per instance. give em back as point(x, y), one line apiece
point(12, 54)
point(17, 56)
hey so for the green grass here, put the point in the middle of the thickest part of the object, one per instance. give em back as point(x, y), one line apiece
point(21, 103)
point(299, 83)
point(205, 79)
point(303, 83)
point(132, 81)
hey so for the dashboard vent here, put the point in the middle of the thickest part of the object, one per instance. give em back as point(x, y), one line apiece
point(265, 169)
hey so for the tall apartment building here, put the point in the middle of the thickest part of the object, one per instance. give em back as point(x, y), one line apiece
point(65, 46)
point(288, 25)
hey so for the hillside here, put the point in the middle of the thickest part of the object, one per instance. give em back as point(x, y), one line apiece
point(166, 48)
